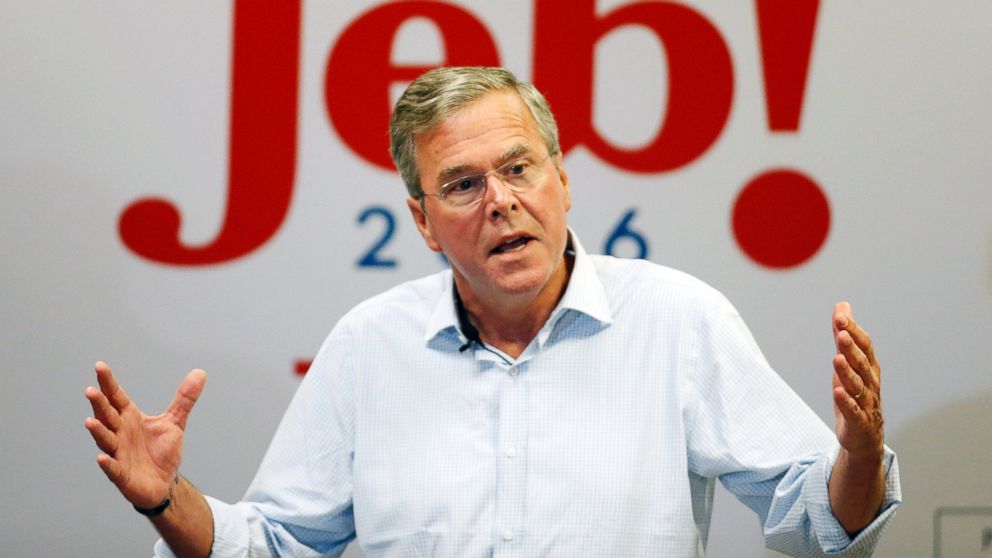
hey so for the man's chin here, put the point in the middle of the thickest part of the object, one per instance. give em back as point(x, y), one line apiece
point(522, 282)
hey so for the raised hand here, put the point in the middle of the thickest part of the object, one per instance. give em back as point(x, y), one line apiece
point(856, 388)
point(141, 452)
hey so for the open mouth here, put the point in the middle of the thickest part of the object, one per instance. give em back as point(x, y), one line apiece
point(512, 245)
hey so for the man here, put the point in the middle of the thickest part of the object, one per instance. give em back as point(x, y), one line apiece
point(534, 400)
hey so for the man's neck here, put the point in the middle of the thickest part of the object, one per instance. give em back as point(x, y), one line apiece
point(509, 323)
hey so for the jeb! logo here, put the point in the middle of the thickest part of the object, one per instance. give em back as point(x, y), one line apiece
point(780, 218)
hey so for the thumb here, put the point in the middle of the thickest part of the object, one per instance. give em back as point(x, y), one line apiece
point(189, 391)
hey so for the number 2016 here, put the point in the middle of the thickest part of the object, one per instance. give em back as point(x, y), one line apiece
point(373, 257)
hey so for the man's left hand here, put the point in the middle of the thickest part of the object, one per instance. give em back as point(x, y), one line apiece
point(857, 388)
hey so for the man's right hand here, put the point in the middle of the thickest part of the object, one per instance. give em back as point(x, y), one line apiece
point(141, 453)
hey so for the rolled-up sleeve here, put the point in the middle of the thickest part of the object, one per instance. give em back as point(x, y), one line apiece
point(767, 447)
point(300, 502)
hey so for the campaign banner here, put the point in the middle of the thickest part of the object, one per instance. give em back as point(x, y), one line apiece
point(208, 185)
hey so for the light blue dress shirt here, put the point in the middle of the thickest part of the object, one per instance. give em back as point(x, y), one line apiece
point(602, 439)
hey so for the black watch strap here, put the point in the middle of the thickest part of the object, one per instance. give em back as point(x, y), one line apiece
point(151, 512)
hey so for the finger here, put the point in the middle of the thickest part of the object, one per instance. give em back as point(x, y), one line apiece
point(104, 438)
point(102, 409)
point(862, 339)
point(186, 396)
point(844, 320)
point(848, 407)
point(842, 315)
point(851, 383)
point(114, 392)
point(111, 467)
point(856, 359)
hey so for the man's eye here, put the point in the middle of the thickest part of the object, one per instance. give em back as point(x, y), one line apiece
point(517, 169)
point(464, 185)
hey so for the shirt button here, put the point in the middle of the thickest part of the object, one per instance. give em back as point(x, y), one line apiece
point(511, 452)
point(514, 371)
point(507, 535)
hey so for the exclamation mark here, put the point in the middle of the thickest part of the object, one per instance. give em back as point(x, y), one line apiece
point(781, 217)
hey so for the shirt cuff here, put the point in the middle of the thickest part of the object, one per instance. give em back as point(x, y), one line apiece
point(831, 536)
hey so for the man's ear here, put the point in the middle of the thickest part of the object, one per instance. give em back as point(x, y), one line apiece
point(423, 224)
point(563, 176)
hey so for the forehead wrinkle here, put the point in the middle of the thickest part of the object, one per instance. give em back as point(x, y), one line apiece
point(517, 116)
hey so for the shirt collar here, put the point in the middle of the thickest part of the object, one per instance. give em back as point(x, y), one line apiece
point(445, 315)
point(584, 293)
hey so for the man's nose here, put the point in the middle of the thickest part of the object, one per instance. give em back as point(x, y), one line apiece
point(500, 200)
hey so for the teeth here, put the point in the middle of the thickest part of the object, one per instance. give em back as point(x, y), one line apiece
point(511, 246)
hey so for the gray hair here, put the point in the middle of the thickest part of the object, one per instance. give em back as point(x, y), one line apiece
point(442, 92)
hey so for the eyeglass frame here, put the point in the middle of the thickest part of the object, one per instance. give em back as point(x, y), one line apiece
point(442, 195)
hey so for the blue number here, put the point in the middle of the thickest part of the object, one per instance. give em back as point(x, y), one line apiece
point(623, 231)
point(371, 257)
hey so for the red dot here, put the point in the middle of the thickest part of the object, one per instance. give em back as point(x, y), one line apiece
point(781, 218)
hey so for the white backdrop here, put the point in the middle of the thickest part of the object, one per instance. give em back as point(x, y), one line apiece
point(106, 103)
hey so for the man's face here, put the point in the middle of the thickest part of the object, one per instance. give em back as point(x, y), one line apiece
point(509, 243)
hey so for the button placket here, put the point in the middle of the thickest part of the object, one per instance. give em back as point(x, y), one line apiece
point(511, 467)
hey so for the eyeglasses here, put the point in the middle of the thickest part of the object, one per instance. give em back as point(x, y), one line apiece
point(519, 175)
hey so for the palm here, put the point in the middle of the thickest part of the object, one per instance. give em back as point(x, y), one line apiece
point(149, 453)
